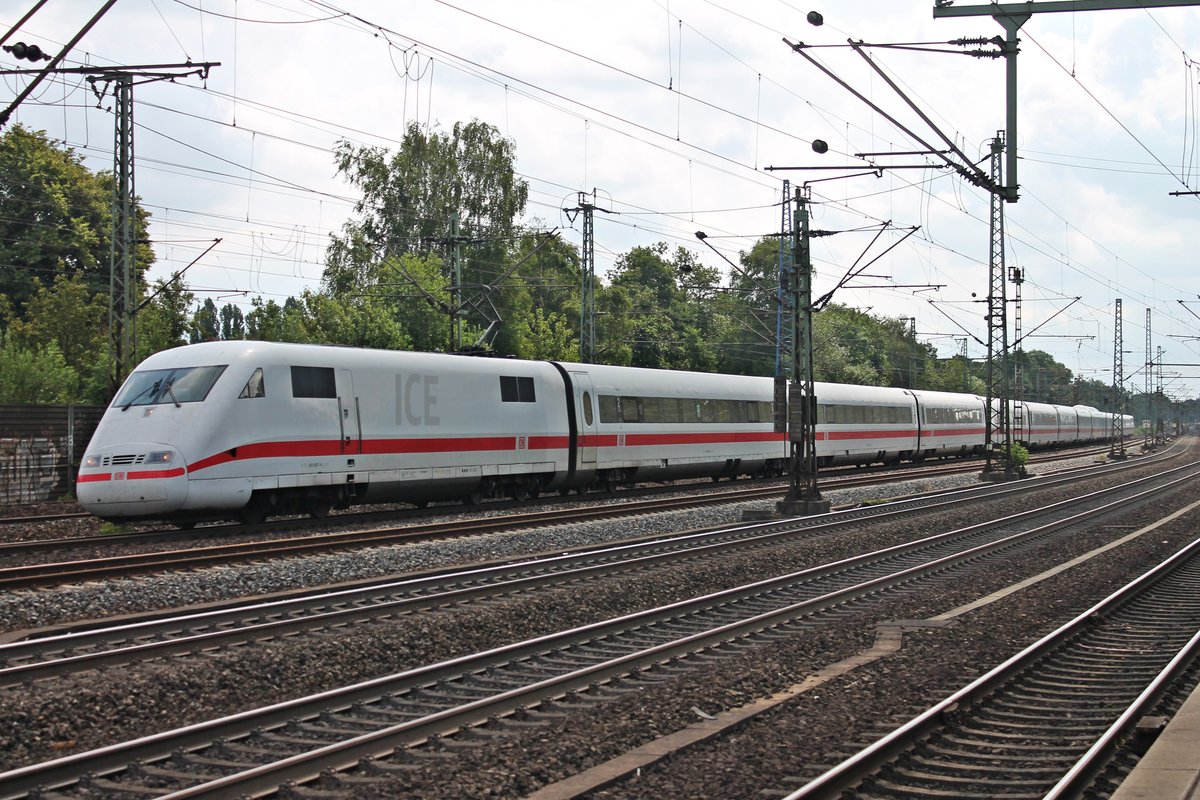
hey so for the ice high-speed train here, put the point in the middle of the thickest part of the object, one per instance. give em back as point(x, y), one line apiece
point(247, 429)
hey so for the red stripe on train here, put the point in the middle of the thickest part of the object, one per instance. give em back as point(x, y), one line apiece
point(136, 475)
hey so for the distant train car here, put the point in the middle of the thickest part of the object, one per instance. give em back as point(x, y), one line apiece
point(647, 424)
point(1093, 425)
point(1036, 424)
point(865, 424)
point(950, 424)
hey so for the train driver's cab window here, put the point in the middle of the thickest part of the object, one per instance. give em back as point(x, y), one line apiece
point(254, 387)
point(177, 386)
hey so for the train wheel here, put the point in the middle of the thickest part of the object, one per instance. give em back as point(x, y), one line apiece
point(317, 507)
point(253, 514)
point(473, 498)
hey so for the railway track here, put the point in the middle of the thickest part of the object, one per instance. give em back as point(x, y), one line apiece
point(1047, 721)
point(362, 726)
point(159, 635)
point(102, 568)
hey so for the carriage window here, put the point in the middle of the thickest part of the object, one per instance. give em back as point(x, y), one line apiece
point(610, 408)
point(629, 409)
point(313, 382)
point(516, 389)
point(969, 415)
point(652, 409)
point(254, 387)
point(587, 409)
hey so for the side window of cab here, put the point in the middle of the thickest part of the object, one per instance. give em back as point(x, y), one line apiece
point(255, 387)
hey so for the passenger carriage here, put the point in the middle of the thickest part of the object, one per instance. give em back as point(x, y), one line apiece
point(1036, 425)
point(864, 424)
point(653, 425)
point(950, 424)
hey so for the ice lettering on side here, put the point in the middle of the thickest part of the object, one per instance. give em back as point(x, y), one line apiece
point(416, 400)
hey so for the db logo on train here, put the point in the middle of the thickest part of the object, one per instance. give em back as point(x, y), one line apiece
point(118, 476)
point(522, 442)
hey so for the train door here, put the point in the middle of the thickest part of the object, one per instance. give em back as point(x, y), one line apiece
point(920, 419)
point(348, 414)
point(585, 403)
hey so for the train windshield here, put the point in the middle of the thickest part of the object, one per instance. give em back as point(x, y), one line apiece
point(178, 386)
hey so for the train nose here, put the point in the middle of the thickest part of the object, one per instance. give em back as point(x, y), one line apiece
point(132, 480)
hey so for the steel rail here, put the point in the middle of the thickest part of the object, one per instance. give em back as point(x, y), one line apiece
point(851, 771)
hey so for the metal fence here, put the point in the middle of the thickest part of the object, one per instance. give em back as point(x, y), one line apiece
point(40, 449)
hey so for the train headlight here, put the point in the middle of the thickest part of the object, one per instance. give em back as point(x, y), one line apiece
point(91, 461)
point(160, 457)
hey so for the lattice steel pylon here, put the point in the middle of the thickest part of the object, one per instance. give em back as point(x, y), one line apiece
point(1148, 438)
point(1021, 418)
point(1159, 433)
point(784, 333)
point(587, 278)
point(587, 287)
point(997, 457)
point(803, 497)
point(1116, 448)
point(122, 333)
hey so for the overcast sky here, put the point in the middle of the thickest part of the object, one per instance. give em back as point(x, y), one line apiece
point(672, 110)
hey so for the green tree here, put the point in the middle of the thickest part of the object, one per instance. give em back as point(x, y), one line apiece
point(662, 300)
point(55, 219)
point(551, 273)
point(206, 323)
point(363, 323)
point(163, 321)
point(850, 347)
point(436, 192)
point(64, 314)
point(1044, 379)
point(750, 312)
point(550, 337)
point(35, 374)
point(233, 322)
point(269, 321)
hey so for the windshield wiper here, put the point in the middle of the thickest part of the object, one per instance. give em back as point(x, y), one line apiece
point(151, 388)
point(171, 392)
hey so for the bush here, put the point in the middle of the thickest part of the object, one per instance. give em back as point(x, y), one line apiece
point(1018, 456)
